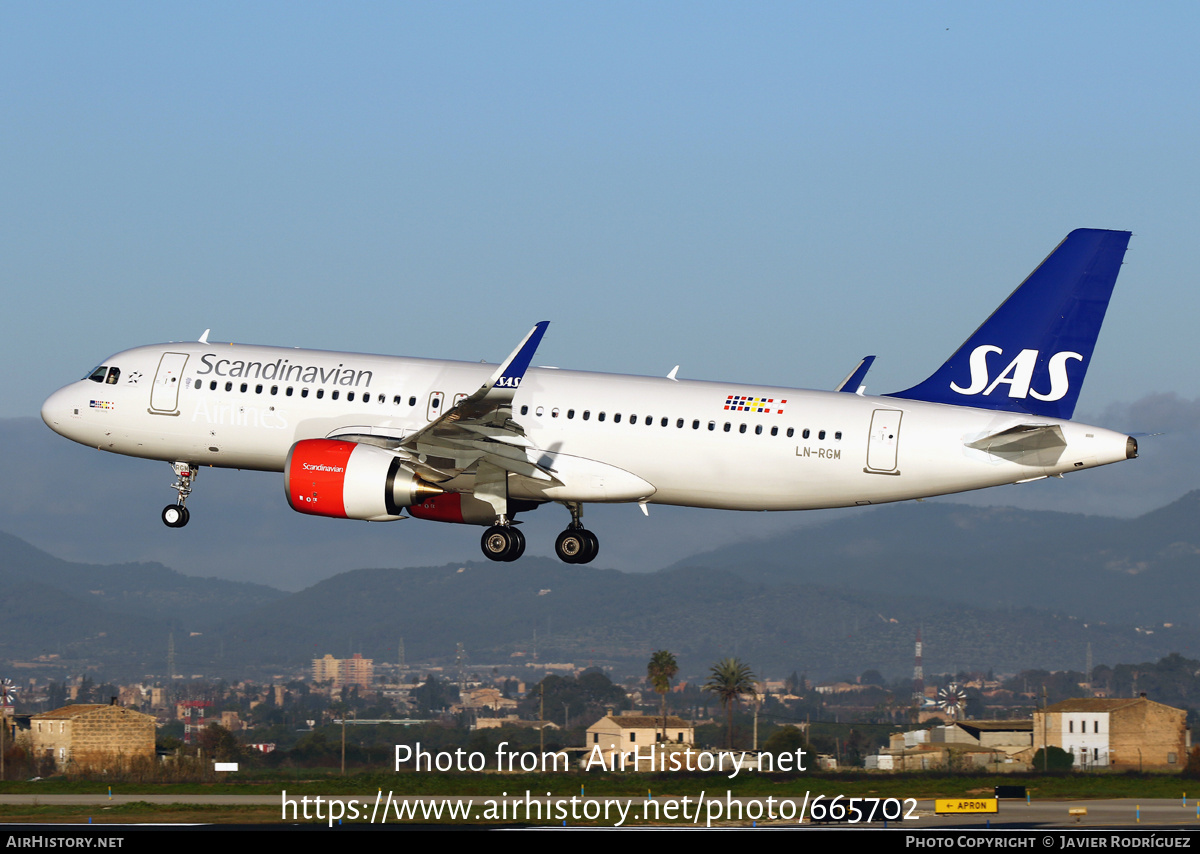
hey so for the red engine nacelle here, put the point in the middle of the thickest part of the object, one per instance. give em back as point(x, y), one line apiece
point(346, 480)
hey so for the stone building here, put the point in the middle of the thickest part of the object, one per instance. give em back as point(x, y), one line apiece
point(1126, 734)
point(92, 736)
point(629, 734)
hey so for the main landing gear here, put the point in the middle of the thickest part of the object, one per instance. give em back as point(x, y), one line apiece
point(503, 541)
point(576, 544)
point(176, 515)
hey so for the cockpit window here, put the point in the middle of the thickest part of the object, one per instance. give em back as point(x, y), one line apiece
point(105, 374)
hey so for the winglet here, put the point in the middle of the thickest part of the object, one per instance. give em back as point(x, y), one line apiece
point(507, 378)
point(853, 382)
point(204, 338)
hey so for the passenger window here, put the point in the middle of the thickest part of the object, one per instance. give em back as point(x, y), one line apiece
point(758, 430)
point(774, 431)
point(650, 420)
point(617, 418)
point(212, 386)
point(805, 434)
point(587, 413)
point(304, 392)
point(289, 391)
point(679, 423)
point(538, 412)
point(244, 387)
point(696, 424)
point(320, 393)
point(258, 389)
point(791, 432)
point(396, 400)
point(412, 401)
point(334, 394)
point(554, 412)
point(228, 386)
point(524, 410)
point(712, 425)
point(821, 435)
point(838, 435)
point(600, 417)
point(274, 389)
point(350, 396)
point(570, 413)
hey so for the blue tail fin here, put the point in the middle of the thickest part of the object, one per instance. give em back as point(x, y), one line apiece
point(1032, 353)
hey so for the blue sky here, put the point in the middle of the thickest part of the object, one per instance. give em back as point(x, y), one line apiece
point(756, 191)
point(761, 192)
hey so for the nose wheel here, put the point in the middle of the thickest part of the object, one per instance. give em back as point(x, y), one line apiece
point(176, 515)
point(502, 543)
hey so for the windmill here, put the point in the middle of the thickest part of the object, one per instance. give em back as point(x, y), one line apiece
point(952, 700)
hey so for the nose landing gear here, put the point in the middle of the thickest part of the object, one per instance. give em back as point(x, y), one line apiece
point(176, 515)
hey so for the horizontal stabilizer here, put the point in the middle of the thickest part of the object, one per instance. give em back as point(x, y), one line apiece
point(1026, 444)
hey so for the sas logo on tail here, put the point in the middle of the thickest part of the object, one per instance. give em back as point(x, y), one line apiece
point(1018, 376)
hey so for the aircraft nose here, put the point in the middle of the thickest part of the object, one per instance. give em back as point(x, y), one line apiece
point(56, 409)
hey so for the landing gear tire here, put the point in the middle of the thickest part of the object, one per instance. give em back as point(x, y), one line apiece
point(577, 545)
point(502, 543)
point(175, 515)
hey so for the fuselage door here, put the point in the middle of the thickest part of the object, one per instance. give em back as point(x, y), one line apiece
point(884, 442)
point(164, 396)
point(434, 409)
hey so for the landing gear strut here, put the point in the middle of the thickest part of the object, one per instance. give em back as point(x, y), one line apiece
point(576, 544)
point(503, 542)
point(176, 515)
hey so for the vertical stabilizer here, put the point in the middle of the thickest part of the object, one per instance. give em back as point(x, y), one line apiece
point(1032, 354)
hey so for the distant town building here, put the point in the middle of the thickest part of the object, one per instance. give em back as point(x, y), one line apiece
point(92, 736)
point(1126, 734)
point(344, 672)
point(626, 734)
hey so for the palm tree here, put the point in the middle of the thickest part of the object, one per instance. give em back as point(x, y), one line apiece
point(729, 680)
point(660, 671)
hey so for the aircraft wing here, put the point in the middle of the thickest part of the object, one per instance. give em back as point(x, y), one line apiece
point(480, 427)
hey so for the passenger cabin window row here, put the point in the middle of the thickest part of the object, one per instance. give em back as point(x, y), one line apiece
point(680, 423)
point(290, 391)
point(99, 375)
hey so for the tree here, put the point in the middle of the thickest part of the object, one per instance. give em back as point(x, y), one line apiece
point(660, 671)
point(729, 679)
point(1059, 760)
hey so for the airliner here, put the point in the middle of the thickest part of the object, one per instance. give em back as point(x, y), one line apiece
point(369, 437)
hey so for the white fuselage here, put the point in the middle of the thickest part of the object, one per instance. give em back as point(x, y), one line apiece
point(608, 437)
